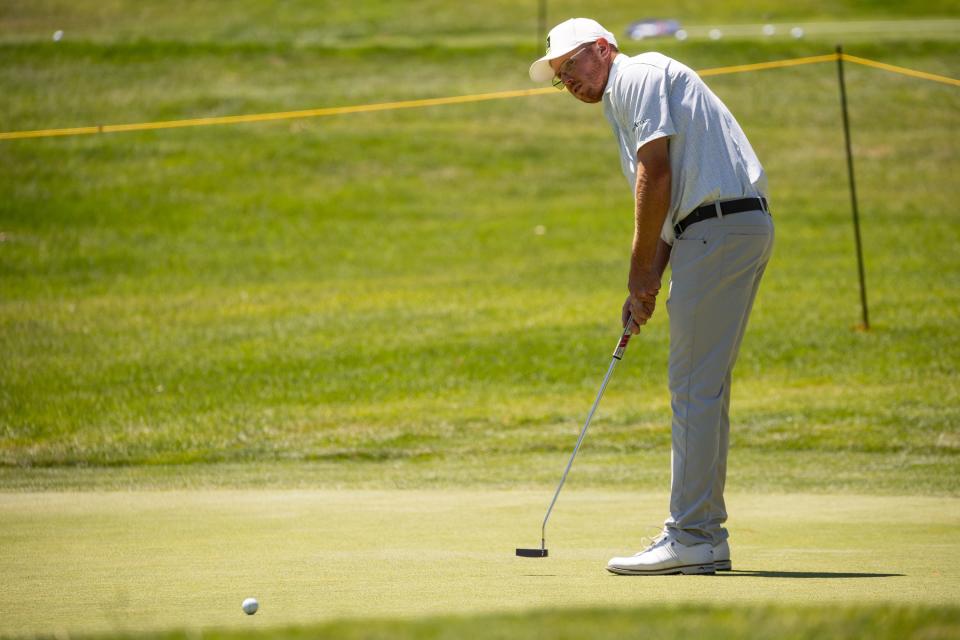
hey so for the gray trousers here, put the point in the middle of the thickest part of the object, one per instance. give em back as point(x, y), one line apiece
point(716, 269)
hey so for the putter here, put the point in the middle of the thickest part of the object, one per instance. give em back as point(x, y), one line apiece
point(617, 355)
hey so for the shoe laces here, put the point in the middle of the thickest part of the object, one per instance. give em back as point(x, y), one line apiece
point(649, 543)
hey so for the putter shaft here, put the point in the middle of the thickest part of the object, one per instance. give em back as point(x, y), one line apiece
point(617, 356)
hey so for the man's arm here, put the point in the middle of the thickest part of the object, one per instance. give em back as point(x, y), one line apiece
point(662, 259)
point(650, 254)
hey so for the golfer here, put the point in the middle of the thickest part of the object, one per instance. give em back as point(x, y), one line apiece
point(700, 204)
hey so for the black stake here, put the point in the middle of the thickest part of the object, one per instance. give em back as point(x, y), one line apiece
point(541, 24)
point(853, 190)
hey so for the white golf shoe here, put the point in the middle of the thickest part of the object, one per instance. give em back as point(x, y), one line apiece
point(721, 556)
point(666, 556)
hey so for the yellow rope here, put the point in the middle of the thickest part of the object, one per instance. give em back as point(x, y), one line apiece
point(430, 102)
point(902, 70)
point(263, 117)
point(759, 66)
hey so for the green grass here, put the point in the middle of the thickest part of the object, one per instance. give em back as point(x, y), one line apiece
point(370, 287)
point(380, 22)
point(361, 303)
point(106, 562)
point(759, 622)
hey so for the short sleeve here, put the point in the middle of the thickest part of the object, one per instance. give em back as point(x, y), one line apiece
point(642, 104)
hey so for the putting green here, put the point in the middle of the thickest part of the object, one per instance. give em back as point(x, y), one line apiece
point(85, 561)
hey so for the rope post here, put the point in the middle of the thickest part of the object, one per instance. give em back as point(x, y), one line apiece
point(541, 25)
point(853, 191)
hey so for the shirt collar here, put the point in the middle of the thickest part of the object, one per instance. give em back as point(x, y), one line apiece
point(614, 70)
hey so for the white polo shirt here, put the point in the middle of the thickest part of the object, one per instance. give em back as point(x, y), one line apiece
point(651, 96)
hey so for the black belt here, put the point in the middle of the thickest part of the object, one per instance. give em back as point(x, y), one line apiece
point(726, 208)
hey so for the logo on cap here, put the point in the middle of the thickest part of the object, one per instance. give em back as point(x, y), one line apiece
point(548, 44)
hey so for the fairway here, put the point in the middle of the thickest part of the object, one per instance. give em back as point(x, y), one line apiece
point(119, 561)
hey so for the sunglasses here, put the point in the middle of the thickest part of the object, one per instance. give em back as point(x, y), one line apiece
point(566, 69)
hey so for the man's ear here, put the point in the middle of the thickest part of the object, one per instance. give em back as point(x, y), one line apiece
point(606, 49)
point(604, 45)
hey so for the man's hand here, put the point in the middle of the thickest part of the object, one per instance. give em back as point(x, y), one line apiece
point(644, 285)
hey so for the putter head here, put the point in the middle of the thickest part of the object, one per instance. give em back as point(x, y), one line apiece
point(532, 553)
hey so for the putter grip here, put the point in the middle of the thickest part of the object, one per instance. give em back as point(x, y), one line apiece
point(624, 340)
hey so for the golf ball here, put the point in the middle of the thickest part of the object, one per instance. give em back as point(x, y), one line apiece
point(250, 606)
point(58, 35)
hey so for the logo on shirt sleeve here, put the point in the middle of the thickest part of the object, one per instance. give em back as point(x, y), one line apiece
point(641, 125)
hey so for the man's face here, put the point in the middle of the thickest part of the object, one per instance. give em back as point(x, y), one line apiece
point(584, 70)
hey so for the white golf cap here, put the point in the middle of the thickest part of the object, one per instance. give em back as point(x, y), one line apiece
point(564, 38)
